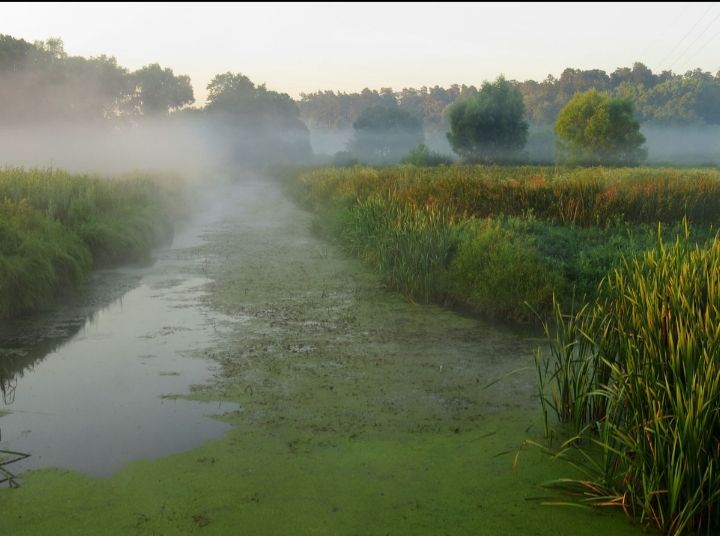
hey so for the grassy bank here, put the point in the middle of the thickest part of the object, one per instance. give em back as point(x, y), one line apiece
point(55, 227)
point(492, 239)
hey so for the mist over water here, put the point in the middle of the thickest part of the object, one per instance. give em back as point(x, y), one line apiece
point(108, 149)
point(186, 146)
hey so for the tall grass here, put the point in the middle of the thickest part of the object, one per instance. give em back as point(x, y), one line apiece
point(654, 410)
point(411, 247)
point(568, 196)
point(55, 227)
point(493, 238)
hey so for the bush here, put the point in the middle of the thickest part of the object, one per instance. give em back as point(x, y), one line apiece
point(421, 156)
point(497, 270)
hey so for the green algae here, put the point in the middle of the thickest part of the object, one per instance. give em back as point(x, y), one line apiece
point(360, 413)
point(260, 483)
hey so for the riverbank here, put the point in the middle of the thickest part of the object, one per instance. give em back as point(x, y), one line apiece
point(503, 241)
point(55, 227)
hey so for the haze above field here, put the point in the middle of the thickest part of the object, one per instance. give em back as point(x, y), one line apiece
point(296, 48)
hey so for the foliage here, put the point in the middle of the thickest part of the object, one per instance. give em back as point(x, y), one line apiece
point(37, 256)
point(497, 269)
point(502, 236)
point(335, 110)
point(411, 248)
point(595, 129)
point(257, 125)
point(55, 227)
point(40, 81)
point(665, 97)
point(160, 91)
point(421, 156)
point(382, 135)
point(489, 127)
point(637, 372)
point(586, 197)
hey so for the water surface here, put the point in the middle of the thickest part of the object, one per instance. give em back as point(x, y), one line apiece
point(91, 384)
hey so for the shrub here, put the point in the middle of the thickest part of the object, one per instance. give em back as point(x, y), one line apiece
point(421, 156)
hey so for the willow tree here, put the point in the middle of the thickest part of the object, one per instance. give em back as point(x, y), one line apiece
point(490, 126)
point(596, 129)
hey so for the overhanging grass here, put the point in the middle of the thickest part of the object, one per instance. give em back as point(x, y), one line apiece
point(55, 227)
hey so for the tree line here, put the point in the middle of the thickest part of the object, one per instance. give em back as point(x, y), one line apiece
point(41, 83)
point(689, 98)
point(491, 127)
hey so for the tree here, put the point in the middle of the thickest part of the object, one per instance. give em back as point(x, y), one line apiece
point(593, 128)
point(158, 90)
point(383, 134)
point(491, 126)
point(259, 125)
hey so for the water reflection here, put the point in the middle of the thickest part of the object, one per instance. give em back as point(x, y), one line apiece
point(25, 341)
point(88, 386)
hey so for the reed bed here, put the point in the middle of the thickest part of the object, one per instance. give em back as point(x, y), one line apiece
point(55, 227)
point(493, 239)
point(637, 373)
point(568, 196)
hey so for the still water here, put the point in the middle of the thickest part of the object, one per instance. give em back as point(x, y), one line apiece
point(90, 385)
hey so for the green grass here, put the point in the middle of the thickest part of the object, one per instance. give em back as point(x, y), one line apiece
point(55, 227)
point(637, 373)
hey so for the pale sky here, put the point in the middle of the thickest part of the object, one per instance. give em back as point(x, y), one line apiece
point(296, 48)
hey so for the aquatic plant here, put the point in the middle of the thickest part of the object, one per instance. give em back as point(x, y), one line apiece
point(638, 375)
point(579, 196)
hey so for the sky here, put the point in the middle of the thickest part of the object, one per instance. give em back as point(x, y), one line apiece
point(305, 47)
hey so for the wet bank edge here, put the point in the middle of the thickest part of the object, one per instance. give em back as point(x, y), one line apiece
point(362, 413)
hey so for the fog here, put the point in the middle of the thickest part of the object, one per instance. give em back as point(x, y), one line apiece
point(190, 146)
point(697, 145)
point(682, 145)
point(195, 146)
point(106, 149)
point(330, 141)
